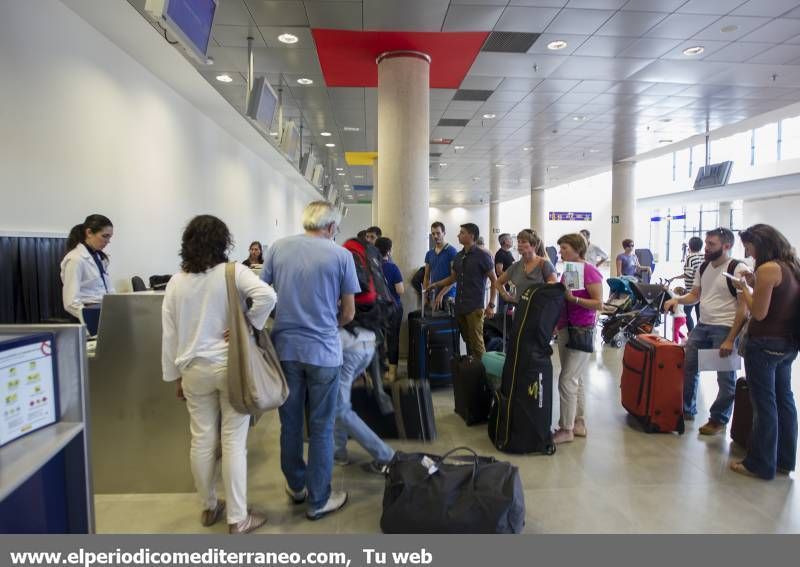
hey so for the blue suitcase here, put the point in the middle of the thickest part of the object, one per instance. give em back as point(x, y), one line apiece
point(432, 338)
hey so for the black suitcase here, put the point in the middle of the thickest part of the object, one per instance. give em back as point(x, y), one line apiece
point(742, 421)
point(412, 417)
point(471, 389)
point(521, 412)
point(431, 338)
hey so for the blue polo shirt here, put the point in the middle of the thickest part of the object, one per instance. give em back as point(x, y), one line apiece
point(440, 264)
point(309, 274)
point(471, 268)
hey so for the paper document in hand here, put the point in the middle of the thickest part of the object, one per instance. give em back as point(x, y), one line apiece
point(710, 360)
point(573, 275)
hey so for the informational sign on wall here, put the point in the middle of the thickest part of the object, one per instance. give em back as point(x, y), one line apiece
point(570, 216)
point(28, 386)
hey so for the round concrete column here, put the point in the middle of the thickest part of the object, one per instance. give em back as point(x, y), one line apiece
point(403, 146)
point(375, 207)
point(623, 206)
point(539, 216)
point(494, 211)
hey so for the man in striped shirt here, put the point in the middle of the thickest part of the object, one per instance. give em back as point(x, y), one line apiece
point(690, 267)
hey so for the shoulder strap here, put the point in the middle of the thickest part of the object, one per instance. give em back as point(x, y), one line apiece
point(731, 269)
point(703, 267)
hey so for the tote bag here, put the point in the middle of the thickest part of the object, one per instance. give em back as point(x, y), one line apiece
point(256, 383)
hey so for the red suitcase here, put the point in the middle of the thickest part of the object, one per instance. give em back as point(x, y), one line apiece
point(652, 383)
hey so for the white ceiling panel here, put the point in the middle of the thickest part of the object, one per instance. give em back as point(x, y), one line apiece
point(578, 21)
point(779, 55)
point(236, 36)
point(232, 13)
point(508, 96)
point(653, 5)
point(776, 31)
point(270, 35)
point(335, 15)
point(687, 72)
point(650, 47)
point(631, 24)
point(598, 4)
point(604, 46)
point(743, 25)
point(416, 15)
point(481, 2)
point(717, 7)
point(751, 75)
point(599, 68)
point(738, 52)
point(681, 26)
point(272, 13)
point(481, 83)
point(465, 106)
point(573, 43)
point(520, 65)
point(772, 8)
point(472, 18)
point(556, 86)
point(709, 48)
point(664, 89)
point(525, 19)
point(593, 86)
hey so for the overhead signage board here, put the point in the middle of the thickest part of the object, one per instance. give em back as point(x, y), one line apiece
point(570, 216)
point(715, 175)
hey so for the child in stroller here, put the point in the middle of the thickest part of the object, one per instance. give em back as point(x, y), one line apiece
point(643, 315)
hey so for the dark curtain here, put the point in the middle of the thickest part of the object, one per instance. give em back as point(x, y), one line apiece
point(30, 279)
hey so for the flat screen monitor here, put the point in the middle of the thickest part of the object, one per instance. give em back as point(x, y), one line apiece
point(290, 141)
point(190, 21)
point(263, 102)
point(28, 385)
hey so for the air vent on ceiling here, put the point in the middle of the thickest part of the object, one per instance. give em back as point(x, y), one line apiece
point(453, 122)
point(436, 154)
point(472, 95)
point(510, 42)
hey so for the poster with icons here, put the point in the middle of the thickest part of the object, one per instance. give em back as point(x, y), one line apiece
point(28, 385)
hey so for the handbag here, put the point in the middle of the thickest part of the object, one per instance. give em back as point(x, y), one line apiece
point(581, 338)
point(427, 493)
point(256, 383)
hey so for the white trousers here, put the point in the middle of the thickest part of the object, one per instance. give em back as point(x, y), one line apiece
point(570, 381)
point(206, 390)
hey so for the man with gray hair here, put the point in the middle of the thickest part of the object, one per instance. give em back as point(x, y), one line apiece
point(316, 282)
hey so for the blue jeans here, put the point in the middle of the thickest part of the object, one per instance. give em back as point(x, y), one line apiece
point(773, 442)
point(347, 421)
point(707, 337)
point(321, 383)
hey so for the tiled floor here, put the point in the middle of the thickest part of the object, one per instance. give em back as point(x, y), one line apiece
point(618, 480)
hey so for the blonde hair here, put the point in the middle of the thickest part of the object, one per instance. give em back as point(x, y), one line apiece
point(320, 214)
point(576, 241)
point(529, 235)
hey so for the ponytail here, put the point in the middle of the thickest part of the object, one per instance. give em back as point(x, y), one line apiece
point(76, 235)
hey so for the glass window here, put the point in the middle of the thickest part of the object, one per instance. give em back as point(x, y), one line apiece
point(766, 143)
point(734, 148)
point(790, 138)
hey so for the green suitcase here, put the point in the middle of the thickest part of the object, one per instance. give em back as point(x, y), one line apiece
point(493, 363)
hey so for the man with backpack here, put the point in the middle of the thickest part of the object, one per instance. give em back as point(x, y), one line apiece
point(722, 316)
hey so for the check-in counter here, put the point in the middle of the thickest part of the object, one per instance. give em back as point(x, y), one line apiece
point(140, 430)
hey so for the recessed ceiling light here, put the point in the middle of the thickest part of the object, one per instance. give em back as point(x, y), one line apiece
point(665, 141)
point(557, 44)
point(729, 29)
point(287, 38)
point(224, 78)
point(330, 145)
point(499, 165)
point(345, 186)
point(553, 167)
point(442, 164)
point(593, 151)
point(526, 149)
point(351, 129)
point(692, 51)
point(579, 118)
point(339, 169)
point(665, 120)
point(304, 81)
point(359, 177)
point(275, 134)
point(458, 147)
point(476, 178)
point(489, 116)
point(326, 134)
point(341, 174)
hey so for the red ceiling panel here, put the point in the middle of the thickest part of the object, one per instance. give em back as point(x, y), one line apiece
point(348, 57)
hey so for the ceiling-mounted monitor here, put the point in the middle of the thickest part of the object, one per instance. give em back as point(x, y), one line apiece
point(263, 102)
point(307, 164)
point(316, 177)
point(290, 141)
point(189, 21)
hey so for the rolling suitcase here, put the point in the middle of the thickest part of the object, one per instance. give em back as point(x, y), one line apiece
point(494, 361)
point(742, 421)
point(652, 383)
point(521, 410)
point(431, 339)
point(470, 389)
point(412, 418)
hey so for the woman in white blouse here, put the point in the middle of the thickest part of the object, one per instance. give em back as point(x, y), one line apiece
point(84, 269)
point(195, 356)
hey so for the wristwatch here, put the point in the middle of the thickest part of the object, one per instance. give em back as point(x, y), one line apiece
point(491, 305)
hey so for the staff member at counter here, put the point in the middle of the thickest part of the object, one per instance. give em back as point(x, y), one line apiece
point(84, 269)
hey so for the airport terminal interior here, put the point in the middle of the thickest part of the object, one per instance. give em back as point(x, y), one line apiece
point(650, 120)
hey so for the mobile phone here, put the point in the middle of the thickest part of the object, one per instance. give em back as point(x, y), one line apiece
point(730, 277)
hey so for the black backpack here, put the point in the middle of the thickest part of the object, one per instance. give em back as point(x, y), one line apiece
point(731, 269)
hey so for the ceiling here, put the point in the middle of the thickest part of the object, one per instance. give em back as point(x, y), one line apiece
point(622, 85)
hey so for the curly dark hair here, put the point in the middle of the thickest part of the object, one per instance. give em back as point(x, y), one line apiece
point(771, 246)
point(205, 243)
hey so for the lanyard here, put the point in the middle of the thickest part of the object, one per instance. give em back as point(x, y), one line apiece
point(100, 267)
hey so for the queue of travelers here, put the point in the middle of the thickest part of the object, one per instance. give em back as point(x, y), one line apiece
point(310, 283)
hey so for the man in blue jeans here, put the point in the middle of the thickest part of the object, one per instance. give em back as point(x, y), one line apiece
point(316, 282)
point(358, 349)
point(722, 315)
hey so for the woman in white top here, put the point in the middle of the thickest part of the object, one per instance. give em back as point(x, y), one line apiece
point(84, 269)
point(195, 356)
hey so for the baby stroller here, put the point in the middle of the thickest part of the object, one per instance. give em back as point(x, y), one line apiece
point(648, 301)
point(621, 298)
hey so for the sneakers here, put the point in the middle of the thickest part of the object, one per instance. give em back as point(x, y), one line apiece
point(210, 517)
point(252, 522)
point(297, 497)
point(711, 428)
point(336, 501)
point(341, 461)
point(688, 417)
point(563, 436)
point(579, 429)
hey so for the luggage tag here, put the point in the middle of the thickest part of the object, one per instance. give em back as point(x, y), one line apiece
point(429, 464)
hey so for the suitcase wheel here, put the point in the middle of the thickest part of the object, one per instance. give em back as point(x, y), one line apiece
point(550, 449)
point(681, 426)
point(652, 428)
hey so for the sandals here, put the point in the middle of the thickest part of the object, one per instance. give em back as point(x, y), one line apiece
point(210, 517)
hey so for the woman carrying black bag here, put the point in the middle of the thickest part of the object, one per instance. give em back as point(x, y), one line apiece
point(584, 297)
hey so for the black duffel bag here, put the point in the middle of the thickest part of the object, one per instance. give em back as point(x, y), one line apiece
point(431, 494)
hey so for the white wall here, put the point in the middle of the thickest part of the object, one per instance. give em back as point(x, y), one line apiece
point(358, 218)
point(85, 128)
point(454, 216)
point(780, 212)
